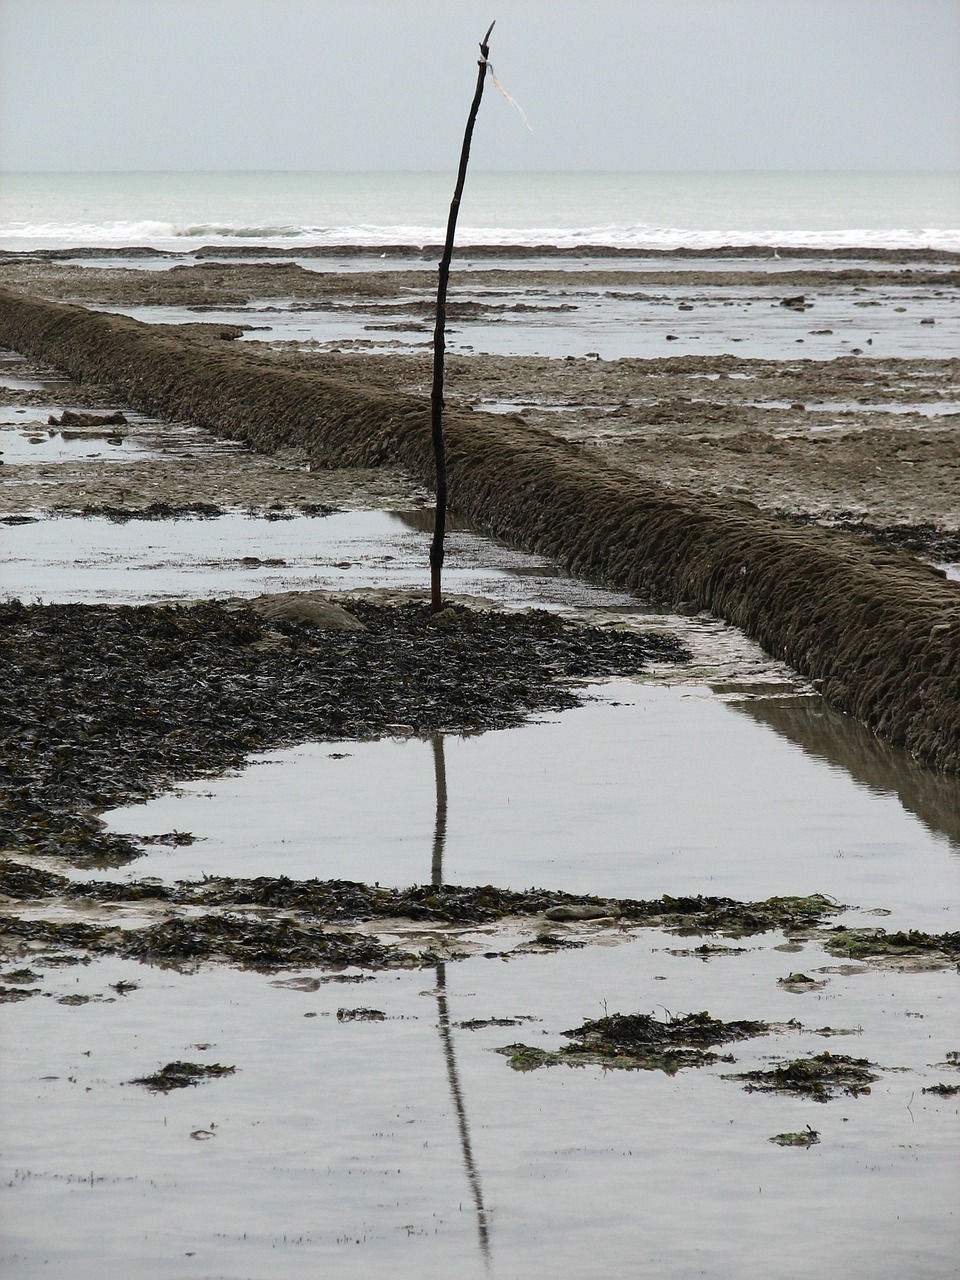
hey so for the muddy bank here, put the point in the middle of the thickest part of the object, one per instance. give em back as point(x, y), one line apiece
point(227, 285)
point(880, 632)
point(866, 442)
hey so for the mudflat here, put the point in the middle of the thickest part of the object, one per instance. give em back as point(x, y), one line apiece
point(861, 439)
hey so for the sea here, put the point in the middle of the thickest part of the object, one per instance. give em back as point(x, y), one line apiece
point(619, 212)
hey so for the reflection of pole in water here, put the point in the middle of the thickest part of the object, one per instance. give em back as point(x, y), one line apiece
point(473, 1174)
point(446, 1035)
point(440, 826)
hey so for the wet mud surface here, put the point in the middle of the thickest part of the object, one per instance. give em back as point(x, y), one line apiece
point(869, 442)
point(862, 437)
point(106, 705)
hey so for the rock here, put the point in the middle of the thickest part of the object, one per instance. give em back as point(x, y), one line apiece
point(306, 606)
point(70, 418)
point(575, 911)
point(442, 618)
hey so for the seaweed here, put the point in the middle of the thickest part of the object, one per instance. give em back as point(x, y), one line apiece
point(265, 945)
point(803, 1138)
point(224, 921)
point(706, 914)
point(638, 1041)
point(800, 982)
point(183, 1075)
point(185, 942)
point(10, 995)
point(821, 1077)
point(861, 944)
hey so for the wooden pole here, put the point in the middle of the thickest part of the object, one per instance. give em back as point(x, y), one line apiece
point(436, 395)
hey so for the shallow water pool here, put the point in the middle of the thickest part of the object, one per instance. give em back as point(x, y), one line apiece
point(643, 791)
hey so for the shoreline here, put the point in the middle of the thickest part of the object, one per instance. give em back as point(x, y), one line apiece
point(519, 249)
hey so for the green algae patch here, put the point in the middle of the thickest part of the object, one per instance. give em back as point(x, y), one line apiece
point(183, 1075)
point(875, 944)
point(821, 1077)
point(802, 1138)
point(639, 1042)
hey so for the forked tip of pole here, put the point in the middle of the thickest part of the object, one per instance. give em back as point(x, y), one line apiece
point(484, 42)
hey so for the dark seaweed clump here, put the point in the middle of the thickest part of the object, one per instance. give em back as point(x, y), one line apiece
point(922, 539)
point(267, 945)
point(821, 1077)
point(231, 926)
point(341, 901)
point(638, 1041)
point(181, 1075)
point(102, 706)
point(155, 511)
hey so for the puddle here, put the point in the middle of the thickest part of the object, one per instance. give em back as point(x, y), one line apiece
point(641, 792)
point(617, 324)
point(352, 1147)
point(96, 559)
point(11, 383)
point(10, 362)
point(46, 444)
point(926, 409)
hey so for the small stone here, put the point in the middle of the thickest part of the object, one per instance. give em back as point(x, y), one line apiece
point(577, 911)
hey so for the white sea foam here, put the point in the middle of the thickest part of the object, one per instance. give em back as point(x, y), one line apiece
point(179, 212)
point(19, 237)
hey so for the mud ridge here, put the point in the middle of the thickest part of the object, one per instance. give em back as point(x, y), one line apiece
point(877, 630)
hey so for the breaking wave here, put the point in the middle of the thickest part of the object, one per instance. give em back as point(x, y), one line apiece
point(639, 237)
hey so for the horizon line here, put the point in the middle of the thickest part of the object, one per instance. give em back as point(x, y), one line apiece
point(443, 172)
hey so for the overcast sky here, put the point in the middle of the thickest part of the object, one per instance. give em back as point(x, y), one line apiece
point(385, 84)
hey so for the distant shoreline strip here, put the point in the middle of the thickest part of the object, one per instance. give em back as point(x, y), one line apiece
point(491, 252)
